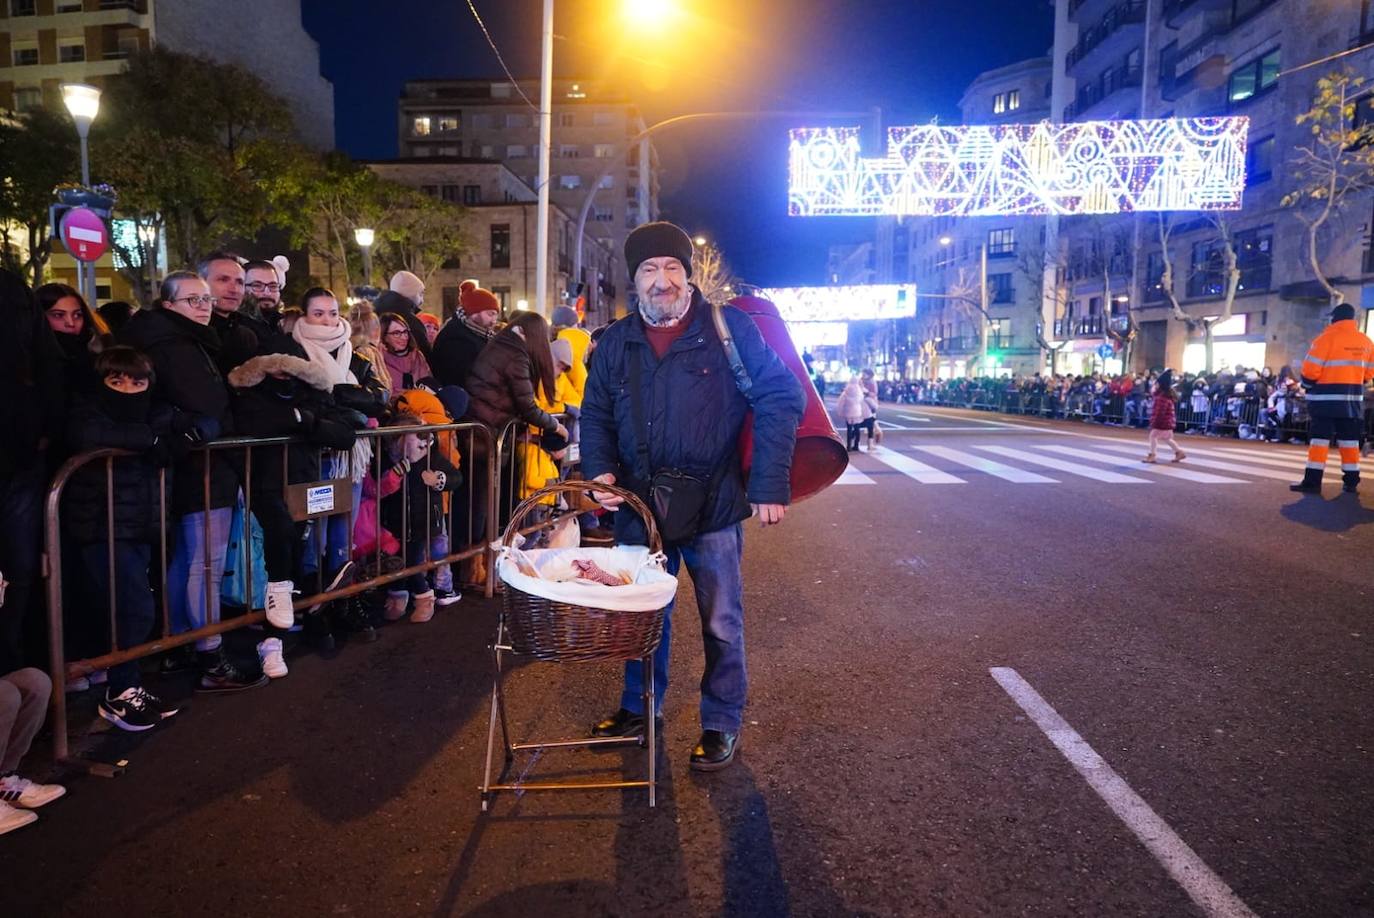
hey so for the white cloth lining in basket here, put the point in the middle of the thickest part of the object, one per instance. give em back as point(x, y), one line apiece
point(652, 589)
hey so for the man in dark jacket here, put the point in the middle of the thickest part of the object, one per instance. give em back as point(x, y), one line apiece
point(464, 336)
point(241, 332)
point(661, 396)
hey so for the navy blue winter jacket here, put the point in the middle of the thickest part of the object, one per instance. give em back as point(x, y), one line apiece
point(694, 413)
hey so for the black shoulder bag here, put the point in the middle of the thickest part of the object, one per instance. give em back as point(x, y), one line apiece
point(678, 499)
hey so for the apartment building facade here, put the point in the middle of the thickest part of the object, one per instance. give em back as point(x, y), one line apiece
point(593, 150)
point(500, 221)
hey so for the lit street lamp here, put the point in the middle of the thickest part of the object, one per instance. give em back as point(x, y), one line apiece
point(83, 102)
point(365, 237)
point(700, 241)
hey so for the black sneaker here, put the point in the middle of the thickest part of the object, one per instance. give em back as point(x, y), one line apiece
point(163, 709)
point(224, 678)
point(178, 660)
point(446, 597)
point(353, 618)
point(318, 632)
point(342, 577)
point(133, 710)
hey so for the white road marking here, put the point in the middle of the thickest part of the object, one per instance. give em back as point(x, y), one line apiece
point(1170, 471)
point(909, 467)
point(1072, 468)
point(1257, 471)
point(853, 476)
point(912, 417)
point(1287, 459)
point(1205, 888)
point(987, 465)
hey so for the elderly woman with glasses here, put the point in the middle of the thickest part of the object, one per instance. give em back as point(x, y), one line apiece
point(185, 351)
point(405, 362)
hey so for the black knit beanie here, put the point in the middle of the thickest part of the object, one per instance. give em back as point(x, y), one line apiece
point(1340, 313)
point(658, 240)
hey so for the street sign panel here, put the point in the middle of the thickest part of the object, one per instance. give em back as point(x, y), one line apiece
point(1106, 352)
point(84, 234)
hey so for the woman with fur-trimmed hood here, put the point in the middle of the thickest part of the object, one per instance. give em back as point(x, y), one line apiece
point(279, 395)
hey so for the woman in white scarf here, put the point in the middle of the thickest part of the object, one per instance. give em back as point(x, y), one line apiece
point(324, 336)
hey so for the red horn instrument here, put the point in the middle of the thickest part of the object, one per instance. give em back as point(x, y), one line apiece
point(820, 457)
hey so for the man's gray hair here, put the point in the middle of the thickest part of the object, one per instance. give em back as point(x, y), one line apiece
point(203, 266)
point(170, 283)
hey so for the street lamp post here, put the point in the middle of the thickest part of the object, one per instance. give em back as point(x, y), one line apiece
point(83, 102)
point(541, 246)
point(365, 237)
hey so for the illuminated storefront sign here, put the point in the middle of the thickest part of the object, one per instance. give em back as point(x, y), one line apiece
point(1089, 167)
point(842, 304)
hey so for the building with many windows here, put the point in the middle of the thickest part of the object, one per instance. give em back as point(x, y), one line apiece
point(593, 147)
point(500, 223)
point(1190, 58)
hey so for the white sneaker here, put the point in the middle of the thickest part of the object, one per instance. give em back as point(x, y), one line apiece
point(269, 654)
point(18, 791)
point(11, 818)
point(279, 611)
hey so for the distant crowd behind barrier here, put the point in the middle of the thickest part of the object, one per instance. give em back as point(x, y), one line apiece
point(1244, 404)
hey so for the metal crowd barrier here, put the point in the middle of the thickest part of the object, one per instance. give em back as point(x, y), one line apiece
point(483, 509)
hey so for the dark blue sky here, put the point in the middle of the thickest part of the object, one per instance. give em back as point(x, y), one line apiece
point(727, 179)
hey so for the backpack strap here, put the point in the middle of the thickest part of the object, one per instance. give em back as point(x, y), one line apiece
point(743, 381)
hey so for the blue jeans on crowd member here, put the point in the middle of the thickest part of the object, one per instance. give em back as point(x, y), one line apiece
point(135, 611)
point(21, 552)
point(186, 574)
point(338, 540)
point(441, 576)
point(713, 561)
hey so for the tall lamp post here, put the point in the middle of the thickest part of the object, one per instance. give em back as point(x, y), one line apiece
point(365, 237)
point(83, 103)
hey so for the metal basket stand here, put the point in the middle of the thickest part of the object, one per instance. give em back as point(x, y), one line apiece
point(609, 641)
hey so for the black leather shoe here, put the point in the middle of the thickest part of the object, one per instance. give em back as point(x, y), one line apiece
point(714, 751)
point(623, 723)
point(1351, 487)
point(1305, 487)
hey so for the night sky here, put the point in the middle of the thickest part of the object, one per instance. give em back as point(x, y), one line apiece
point(727, 179)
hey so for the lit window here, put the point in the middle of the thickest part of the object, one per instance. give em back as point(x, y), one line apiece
point(1254, 78)
point(604, 151)
point(569, 182)
point(569, 151)
point(1001, 242)
point(999, 103)
point(448, 123)
point(607, 181)
point(419, 126)
point(488, 151)
point(1013, 100)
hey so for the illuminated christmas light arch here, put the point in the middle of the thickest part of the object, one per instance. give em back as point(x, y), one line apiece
point(1089, 167)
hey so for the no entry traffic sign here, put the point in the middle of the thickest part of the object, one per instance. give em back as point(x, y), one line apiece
point(84, 234)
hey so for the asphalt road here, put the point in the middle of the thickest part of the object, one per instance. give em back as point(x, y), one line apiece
point(1205, 644)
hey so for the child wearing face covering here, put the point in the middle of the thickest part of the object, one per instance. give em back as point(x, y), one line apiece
point(119, 414)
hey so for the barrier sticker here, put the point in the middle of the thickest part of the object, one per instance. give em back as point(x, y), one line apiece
point(319, 500)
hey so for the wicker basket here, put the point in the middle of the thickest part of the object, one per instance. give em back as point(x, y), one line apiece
point(567, 633)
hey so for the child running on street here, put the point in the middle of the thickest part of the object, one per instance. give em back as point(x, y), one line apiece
point(1164, 417)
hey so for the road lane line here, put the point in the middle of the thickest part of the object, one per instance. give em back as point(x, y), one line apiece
point(1205, 888)
point(912, 417)
point(1072, 468)
point(1257, 471)
point(1170, 471)
point(1006, 472)
point(1292, 460)
point(918, 471)
point(853, 476)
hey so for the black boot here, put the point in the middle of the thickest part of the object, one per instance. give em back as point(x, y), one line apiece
point(1350, 482)
point(317, 631)
point(352, 617)
point(714, 751)
point(1311, 482)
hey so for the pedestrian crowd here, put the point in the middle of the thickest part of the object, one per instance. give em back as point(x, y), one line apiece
point(219, 354)
point(1248, 404)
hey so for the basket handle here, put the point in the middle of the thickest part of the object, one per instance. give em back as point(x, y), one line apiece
point(574, 487)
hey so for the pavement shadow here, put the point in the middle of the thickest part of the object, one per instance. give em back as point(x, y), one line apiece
point(1341, 514)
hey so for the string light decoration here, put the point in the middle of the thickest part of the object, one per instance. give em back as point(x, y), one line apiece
point(1089, 167)
point(835, 304)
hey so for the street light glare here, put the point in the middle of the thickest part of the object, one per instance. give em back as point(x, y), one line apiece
point(648, 12)
point(363, 236)
point(700, 240)
point(82, 101)
point(945, 240)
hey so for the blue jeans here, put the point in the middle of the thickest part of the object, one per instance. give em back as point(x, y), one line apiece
point(338, 540)
point(713, 561)
point(186, 573)
point(135, 611)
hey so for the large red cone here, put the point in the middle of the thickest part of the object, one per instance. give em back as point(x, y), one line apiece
point(820, 457)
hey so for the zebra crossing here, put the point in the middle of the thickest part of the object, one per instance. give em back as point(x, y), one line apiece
point(1105, 460)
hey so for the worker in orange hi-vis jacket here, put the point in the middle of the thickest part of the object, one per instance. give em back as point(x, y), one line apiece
point(1337, 366)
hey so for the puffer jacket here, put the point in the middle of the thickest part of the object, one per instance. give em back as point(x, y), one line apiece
point(135, 489)
point(300, 405)
point(502, 386)
point(184, 355)
point(694, 413)
point(580, 341)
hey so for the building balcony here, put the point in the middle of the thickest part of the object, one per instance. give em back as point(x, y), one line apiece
point(1102, 89)
point(1129, 13)
point(110, 13)
point(73, 72)
point(1082, 327)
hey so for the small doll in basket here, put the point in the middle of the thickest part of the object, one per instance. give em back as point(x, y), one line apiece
point(411, 491)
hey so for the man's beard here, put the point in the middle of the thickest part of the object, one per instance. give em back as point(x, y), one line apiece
point(666, 314)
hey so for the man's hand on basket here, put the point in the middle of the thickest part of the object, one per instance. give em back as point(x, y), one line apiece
point(605, 498)
point(769, 514)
